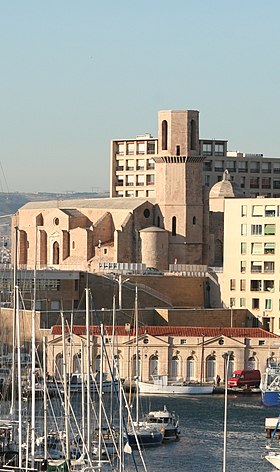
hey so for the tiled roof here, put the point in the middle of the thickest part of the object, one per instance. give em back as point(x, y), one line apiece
point(117, 203)
point(187, 331)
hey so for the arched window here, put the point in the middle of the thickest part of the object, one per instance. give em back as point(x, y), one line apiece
point(97, 363)
point(193, 135)
point(194, 220)
point(173, 225)
point(59, 365)
point(164, 132)
point(158, 222)
point(190, 368)
point(210, 368)
point(134, 367)
point(77, 363)
point(55, 253)
point(251, 364)
point(153, 366)
point(230, 366)
point(116, 366)
point(175, 367)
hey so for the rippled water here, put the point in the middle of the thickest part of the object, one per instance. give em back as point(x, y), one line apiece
point(200, 448)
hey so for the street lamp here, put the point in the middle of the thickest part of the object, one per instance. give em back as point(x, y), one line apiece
point(227, 355)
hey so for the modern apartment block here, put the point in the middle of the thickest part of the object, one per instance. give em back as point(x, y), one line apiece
point(133, 167)
point(252, 258)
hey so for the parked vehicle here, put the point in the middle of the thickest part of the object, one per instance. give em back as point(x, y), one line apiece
point(244, 378)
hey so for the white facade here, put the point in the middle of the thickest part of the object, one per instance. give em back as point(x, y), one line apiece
point(251, 275)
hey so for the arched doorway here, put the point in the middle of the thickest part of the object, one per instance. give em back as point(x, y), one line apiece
point(175, 367)
point(190, 368)
point(134, 367)
point(59, 365)
point(251, 364)
point(77, 363)
point(210, 368)
point(153, 366)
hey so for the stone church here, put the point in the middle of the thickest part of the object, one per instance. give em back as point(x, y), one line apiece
point(171, 228)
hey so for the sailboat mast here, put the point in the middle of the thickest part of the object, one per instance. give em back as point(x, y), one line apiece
point(19, 383)
point(33, 356)
point(66, 398)
point(137, 356)
point(12, 407)
point(45, 396)
point(100, 394)
point(88, 369)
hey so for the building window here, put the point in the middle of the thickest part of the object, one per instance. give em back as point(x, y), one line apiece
point(243, 267)
point(178, 150)
point(269, 248)
point(268, 304)
point(174, 226)
point(151, 148)
point(207, 180)
point(255, 303)
point(269, 267)
point(207, 166)
point(164, 132)
point(242, 302)
point(183, 341)
point(219, 149)
point(243, 229)
point(130, 148)
point(56, 221)
point(105, 251)
point(190, 368)
point(257, 210)
point(256, 285)
point(243, 210)
point(147, 212)
point(242, 285)
point(153, 366)
point(194, 220)
point(232, 302)
point(243, 248)
point(232, 284)
point(256, 248)
point(256, 230)
point(73, 244)
point(242, 167)
point(207, 149)
point(269, 229)
point(268, 285)
point(256, 267)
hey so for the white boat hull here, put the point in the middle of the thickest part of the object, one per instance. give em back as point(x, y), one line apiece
point(188, 389)
point(274, 459)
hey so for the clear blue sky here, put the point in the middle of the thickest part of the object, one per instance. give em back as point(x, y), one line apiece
point(76, 74)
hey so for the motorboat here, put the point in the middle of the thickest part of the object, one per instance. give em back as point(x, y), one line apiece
point(164, 420)
point(270, 384)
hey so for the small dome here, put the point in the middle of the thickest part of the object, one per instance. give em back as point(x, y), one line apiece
point(225, 188)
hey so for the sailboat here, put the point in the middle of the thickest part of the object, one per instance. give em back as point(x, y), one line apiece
point(272, 429)
point(141, 434)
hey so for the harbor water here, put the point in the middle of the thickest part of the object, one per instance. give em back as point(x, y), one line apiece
point(200, 447)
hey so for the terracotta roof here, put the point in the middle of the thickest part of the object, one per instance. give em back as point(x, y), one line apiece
point(188, 331)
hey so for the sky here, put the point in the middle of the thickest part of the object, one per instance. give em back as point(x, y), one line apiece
point(77, 73)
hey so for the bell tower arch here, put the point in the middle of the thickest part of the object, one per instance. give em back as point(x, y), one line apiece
point(179, 186)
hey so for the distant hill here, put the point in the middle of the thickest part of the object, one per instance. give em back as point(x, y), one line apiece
point(11, 202)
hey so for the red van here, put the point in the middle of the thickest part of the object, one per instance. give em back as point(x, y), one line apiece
point(245, 378)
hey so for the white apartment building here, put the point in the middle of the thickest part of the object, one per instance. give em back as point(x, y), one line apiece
point(133, 167)
point(251, 273)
